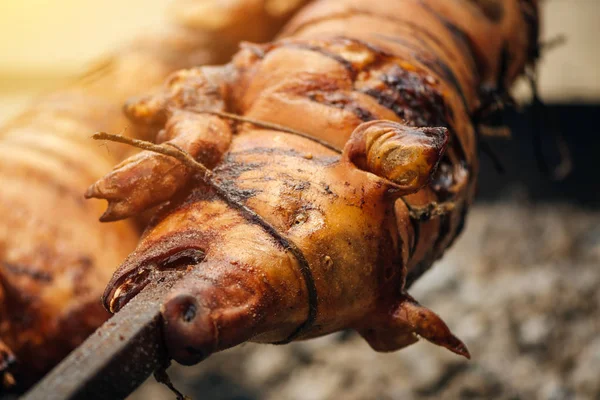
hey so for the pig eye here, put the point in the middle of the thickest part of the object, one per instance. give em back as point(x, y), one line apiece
point(183, 258)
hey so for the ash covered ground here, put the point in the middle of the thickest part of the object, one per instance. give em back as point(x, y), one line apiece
point(520, 287)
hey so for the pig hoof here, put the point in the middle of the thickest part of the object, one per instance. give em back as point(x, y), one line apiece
point(402, 326)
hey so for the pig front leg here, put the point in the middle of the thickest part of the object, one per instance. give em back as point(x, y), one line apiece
point(401, 324)
point(147, 178)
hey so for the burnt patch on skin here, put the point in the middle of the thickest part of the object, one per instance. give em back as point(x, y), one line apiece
point(237, 194)
point(410, 97)
point(434, 63)
point(228, 172)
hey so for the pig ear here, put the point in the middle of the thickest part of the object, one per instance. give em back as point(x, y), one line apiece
point(406, 156)
point(405, 324)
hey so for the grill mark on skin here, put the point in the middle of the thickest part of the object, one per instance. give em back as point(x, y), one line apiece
point(450, 55)
point(460, 37)
point(369, 46)
point(344, 40)
point(419, 31)
point(401, 82)
point(317, 49)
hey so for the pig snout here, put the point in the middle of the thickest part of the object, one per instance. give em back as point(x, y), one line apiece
point(217, 306)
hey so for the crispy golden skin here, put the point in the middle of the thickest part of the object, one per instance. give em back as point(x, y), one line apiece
point(55, 258)
point(290, 238)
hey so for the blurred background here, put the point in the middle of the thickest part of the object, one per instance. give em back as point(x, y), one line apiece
point(520, 287)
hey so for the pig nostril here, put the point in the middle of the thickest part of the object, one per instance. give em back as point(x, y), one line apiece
point(189, 312)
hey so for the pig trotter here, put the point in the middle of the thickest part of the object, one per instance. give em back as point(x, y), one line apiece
point(132, 187)
point(401, 325)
